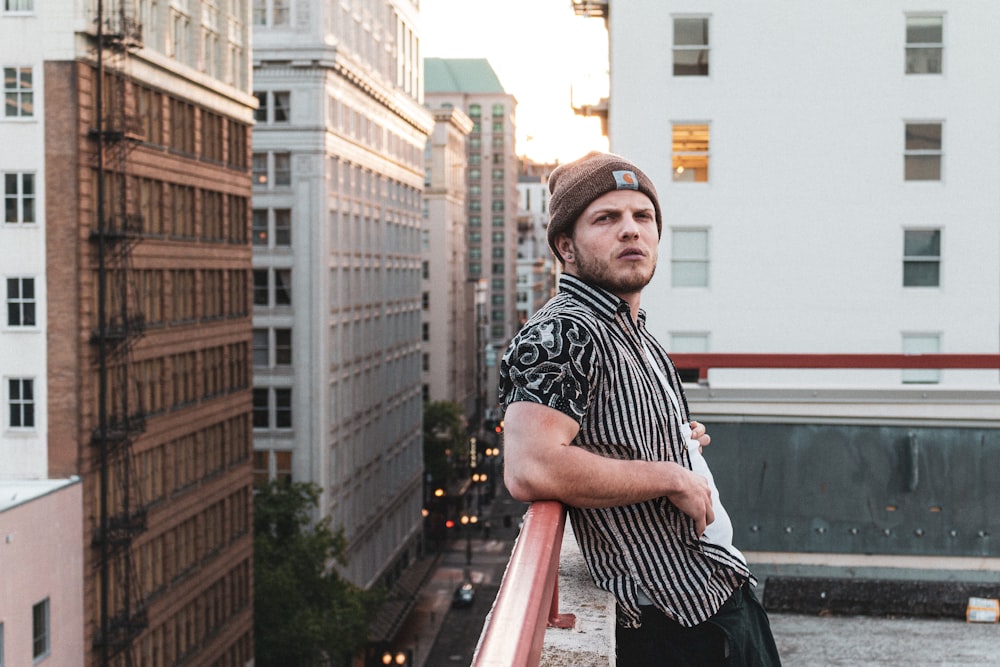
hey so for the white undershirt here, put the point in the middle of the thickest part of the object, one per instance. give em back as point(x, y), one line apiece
point(720, 531)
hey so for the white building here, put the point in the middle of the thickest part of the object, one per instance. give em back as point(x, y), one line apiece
point(828, 175)
point(536, 266)
point(338, 175)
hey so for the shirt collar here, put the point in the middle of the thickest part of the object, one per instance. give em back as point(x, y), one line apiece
point(601, 301)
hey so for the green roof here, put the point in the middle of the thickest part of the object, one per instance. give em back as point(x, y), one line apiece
point(460, 75)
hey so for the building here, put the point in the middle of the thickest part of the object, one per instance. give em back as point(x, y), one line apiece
point(126, 342)
point(451, 337)
point(818, 199)
point(472, 86)
point(338, 172)
point(41, 541)
point(536, 266)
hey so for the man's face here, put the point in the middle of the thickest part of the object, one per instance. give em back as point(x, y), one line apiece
point(614, 243)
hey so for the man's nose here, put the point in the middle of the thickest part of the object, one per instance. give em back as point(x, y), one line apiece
point(629, 226)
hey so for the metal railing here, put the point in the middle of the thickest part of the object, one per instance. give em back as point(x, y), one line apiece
point(528, 599)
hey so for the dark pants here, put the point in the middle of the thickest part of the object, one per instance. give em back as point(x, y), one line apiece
point(739, 635)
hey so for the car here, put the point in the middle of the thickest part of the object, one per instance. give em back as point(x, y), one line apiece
point(464, 595)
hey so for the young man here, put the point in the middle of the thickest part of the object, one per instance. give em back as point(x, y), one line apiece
point(596, 418)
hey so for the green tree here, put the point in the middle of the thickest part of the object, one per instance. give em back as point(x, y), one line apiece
point(444, 439)
point(305, 613)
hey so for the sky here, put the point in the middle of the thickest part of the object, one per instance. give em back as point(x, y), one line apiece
point(541, 51)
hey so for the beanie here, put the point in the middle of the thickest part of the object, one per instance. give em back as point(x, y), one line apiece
point(574, 185)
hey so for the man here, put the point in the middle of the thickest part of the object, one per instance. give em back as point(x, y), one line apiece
point(596, 418)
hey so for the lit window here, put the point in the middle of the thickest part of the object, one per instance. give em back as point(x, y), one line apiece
point(40, 630)
point(922, 258)
point(689, 258)
point(272, 227)
point(924, 44)
point(690, 47)
point(922, 154)
point(21, 302)
point(690, 153)
point(272, 169)
point(921, 344)
point(18, 92)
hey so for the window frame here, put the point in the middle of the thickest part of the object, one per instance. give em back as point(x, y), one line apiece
point(919, 343)
point(45, 636)
point(913, 259)
point(699, 69)
point(676, 262)
point(922, 46)
point(20, 197)
point(912, 157)
point(7, 11)
point(682, 161)
point(22, 96)
point(21, 303)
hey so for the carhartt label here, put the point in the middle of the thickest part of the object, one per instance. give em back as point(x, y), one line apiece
point(626, 180)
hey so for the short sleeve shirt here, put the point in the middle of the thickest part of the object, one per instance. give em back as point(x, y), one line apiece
point(583, 355)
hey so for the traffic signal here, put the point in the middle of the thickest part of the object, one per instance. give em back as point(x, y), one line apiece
point(499, 427)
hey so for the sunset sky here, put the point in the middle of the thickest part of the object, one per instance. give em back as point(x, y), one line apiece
point(540, 50)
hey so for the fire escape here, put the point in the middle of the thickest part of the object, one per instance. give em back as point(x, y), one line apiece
point(119, 326)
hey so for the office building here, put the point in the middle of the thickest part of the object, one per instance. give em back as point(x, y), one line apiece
point(472, 86)
point(338, 154)
point(126, 342)
point(821, 194)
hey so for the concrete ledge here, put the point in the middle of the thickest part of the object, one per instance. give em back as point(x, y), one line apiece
point(591, 643)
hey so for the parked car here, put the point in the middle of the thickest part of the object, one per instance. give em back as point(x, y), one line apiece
point(464, 595)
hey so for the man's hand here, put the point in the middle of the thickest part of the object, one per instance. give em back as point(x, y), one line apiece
point(693, 497)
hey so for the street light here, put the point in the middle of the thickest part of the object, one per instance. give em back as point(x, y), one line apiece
point(401, 658)
point(468, 520)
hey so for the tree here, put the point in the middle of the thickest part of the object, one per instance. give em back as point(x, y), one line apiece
point(305, 613)
point(444, 438)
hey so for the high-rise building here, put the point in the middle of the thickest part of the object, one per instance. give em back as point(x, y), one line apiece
point(472, 86)
point(125, 350)
point(536, 265)
point(451, 337)
point(820, 194)
point(338, 154)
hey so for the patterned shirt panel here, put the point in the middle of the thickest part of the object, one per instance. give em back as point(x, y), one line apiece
point(583, 354)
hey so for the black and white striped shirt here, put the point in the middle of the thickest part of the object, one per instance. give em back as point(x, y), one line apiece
point(584, 355)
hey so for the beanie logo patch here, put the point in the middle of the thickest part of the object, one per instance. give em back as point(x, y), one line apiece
point(625, 180)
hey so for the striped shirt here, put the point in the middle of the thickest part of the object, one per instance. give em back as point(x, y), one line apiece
point(584, 355)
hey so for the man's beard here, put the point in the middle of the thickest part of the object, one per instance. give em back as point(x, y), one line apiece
point(594, 272)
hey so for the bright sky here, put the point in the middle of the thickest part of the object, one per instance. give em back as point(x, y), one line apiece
point(540, 50)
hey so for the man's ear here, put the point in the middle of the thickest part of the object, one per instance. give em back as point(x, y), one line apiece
point(564, 244)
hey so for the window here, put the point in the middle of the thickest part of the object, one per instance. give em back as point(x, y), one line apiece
point(921, 343)
point(270, 12)
point(272, 227)
point(21, 302)
point(475, 110)
point(498, 110)
point(21, 401)
point(687, 342)
point(922, 153)
point(690, 47)
point(922, 258)
point(40, 639)
point(690, 153)
point(924, 44)
point(273, 107)
point(272, 408)
point(270, 464)
point(17, 7)
point(272, 169)
point(19, 198)
point(272, 288)
point(17, 92)
point(272, 347)
point(689, 258)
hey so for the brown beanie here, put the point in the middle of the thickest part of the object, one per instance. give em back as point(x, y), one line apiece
point(574, 185)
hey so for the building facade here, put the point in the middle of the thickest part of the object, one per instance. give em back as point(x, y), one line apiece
point(536, 265)
point(127, 190)
point(817, 197)
point(451, 340)
point(338, 174)
point(472, 86)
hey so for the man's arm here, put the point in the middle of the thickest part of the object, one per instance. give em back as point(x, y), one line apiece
point(540, 464)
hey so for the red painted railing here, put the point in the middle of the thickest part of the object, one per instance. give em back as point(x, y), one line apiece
point(528, 600)
point(708, 360)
